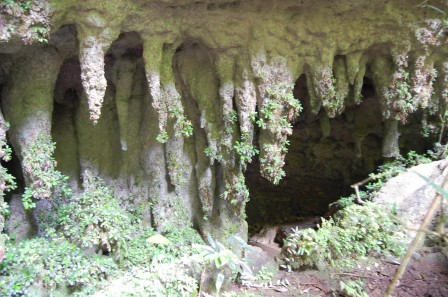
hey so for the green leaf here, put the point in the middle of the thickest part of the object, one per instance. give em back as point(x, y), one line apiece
point(438, 188)
point(219, 281)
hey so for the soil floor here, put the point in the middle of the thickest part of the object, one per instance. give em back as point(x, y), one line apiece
point(426, 275)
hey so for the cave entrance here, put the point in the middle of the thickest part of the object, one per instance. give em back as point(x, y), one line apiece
point(325, 157)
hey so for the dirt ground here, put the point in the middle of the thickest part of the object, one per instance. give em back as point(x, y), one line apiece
point(426, 275)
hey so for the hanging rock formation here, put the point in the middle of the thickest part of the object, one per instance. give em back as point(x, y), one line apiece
point(169, 101)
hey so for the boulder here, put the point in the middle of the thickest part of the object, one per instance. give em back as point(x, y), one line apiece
point(409, 195)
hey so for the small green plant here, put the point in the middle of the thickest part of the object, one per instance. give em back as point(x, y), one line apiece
point(212, 154)
point(4, 209)
point(393, 168)
point(16, 7)
point(236, 192)
point(245, 150)
point(53, 263)
point(162, 137)
point(273, 162)
point(263, 277)
point(40, 34)
point(222, 257)
point(231, 116)
point(19, 12)
point(182, 126)
point(353, 288)
point(40, 166)
point(354, 232)
point(7, 181)
point(141, 251)
point(94, 218)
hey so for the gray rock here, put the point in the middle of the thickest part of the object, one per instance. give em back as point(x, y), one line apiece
point(19, 223)
point(410, 195)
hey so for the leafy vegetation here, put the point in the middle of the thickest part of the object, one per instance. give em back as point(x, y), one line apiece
point(236, 192)
point(16, 7)
point(182, 126)
point(223, 257)
point(7, 181)
point(278, 109)
point(40, 166)
point(393, 168)
point(353, 233)
point(159, 265)
point(245, 150)
point(18, 10)
point(56, 263)
point(180, 243)
point(353, 288)
point(355, 230)
point(94, 218)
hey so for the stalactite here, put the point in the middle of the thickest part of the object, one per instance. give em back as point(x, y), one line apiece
point(391, 136)
point(28, 107)
point(225, 69)
point(315, 102)
point(277, 107)
point(341, 83)
point(354, 64)
point(246, 100)
point(198, 80)
point(94, 41)
point(323, 83)
point(124, 73)
point(382, 75)
point(359, 83)
point(422, 80)
point(152, 54)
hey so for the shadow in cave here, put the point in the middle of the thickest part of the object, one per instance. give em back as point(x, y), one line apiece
point(325, 157)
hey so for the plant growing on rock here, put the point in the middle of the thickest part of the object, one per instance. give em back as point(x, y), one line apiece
point(399, 94)
point(237, 191)
point(94, 218)
point(182, 125)
point(278, 109)
point(245, 150)
point(7, 181)
point(354, 232)
point(54, 263)
point(222, 257)
point(39, 167)
point(17, 12)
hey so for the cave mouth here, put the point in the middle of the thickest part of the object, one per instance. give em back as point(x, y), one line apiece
point(326, 156)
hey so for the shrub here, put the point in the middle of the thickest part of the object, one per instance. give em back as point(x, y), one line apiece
point(53, 263)
point(393, 168)
point(95, 218)
point(160, 279)
point(40, 167)
point(141, 253)
point(160, 265)
point(354, 232)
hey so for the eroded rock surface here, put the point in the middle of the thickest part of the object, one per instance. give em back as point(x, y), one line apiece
point(169, 101)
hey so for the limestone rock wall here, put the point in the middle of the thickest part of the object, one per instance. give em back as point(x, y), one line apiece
point(170, 100)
